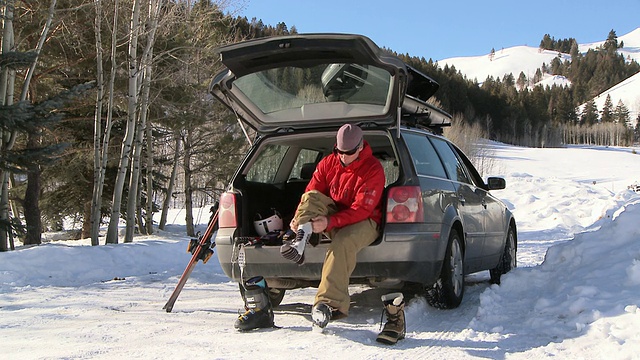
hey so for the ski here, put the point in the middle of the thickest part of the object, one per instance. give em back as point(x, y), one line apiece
point(201, 250)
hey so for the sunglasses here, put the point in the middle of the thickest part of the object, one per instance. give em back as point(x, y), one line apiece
point(348, 152)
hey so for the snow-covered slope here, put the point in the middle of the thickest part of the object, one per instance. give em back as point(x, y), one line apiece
point(631, 47)
point(511, 60)
point(628, 91)
point(527, 59)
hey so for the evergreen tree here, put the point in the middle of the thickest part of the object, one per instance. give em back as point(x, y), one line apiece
point(522, 81)
point(611, 44)
point(574, 51)
point(607, 110)
point(537, 77)
point(547, 42)
point(621, 115)
point(589, 113)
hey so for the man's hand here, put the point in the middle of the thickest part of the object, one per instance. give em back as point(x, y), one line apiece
point(319, 224)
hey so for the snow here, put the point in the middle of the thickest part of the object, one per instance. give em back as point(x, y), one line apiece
point(574, 295)
point(511, 60)
point(527, 59)
point(628, 91)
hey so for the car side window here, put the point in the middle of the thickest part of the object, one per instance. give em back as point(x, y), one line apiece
point(425, 159)
point(265, 168)
point(452, 164)
point(305, 156)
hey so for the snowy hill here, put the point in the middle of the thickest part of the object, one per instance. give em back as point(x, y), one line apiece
point(631, 47)
point(527, 59)
point(512, 60)
point(574, 295)
point(628, 91)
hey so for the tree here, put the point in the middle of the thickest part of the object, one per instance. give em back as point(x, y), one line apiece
point(621, 115)
point(101, 138)
point(127, 143)
point(522, 80)
point(8, 136)
point(537, 77)
point(574, 52)
point(589, 113)
point(610, 45)
point(607, 110)
point(141, 129)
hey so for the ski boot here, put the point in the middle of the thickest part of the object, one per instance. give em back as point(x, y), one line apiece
point(259, 313)
point(294, 249)
point(322, 313)
point(395, 328)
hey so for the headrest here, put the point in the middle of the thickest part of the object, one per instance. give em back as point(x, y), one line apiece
point(306, 172)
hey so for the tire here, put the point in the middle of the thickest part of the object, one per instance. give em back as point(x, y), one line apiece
point(275, 295)
point(507, 260)
point(448, 291)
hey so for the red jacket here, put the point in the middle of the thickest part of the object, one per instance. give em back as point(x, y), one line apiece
point(356, 189)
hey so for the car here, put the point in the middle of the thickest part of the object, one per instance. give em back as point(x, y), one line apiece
point(441, 222)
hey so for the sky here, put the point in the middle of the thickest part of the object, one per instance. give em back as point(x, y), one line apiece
point(574, 295)
point(445, 29)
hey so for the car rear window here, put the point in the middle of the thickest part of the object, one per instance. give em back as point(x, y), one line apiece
point(350, 89)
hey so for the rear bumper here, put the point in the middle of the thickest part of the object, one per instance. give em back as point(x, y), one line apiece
point(398, 257)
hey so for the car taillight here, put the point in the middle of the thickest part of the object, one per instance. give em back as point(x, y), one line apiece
point(227, 211)
point(404, 204)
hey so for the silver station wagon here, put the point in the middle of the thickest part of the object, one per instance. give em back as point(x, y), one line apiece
point(441, 221)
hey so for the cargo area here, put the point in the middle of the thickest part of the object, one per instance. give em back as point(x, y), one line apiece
point(280, 168)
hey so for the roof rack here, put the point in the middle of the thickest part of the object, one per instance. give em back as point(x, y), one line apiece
point(420, 114)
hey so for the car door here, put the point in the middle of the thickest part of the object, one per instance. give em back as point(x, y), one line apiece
point(494, 216)
point(470, 203)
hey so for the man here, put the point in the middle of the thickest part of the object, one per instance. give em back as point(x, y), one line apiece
point(343, 200)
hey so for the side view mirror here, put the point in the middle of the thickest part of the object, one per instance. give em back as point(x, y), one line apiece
point(496, 183)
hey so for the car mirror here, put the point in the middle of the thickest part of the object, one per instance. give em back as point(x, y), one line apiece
point(496, 183)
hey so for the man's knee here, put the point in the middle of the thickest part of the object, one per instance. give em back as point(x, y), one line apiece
point(353, 237)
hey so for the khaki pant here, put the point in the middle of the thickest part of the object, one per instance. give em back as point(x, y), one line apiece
point(340, 260)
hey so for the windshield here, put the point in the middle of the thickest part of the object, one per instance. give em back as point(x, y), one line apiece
point(319, 92)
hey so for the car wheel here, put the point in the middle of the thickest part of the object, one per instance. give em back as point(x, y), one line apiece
point(447, 292)
point(275, 295)
point(508, 259)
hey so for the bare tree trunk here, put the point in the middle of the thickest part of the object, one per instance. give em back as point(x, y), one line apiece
point(7, 138)
point(134, 182)
point(149, 180)
point(188, 189)
point(139, 218)
point(32, 198)
point(98, 182)
point(32, 193)
point(145, 82)
point(172, 181)
point(86, 220)
point(148, 68)
point(96, 207)
point(125, 154)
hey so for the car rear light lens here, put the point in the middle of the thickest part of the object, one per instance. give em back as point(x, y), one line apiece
point(404, 205)
point(227, 211)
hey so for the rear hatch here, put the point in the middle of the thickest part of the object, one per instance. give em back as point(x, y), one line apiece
point(318, 81)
